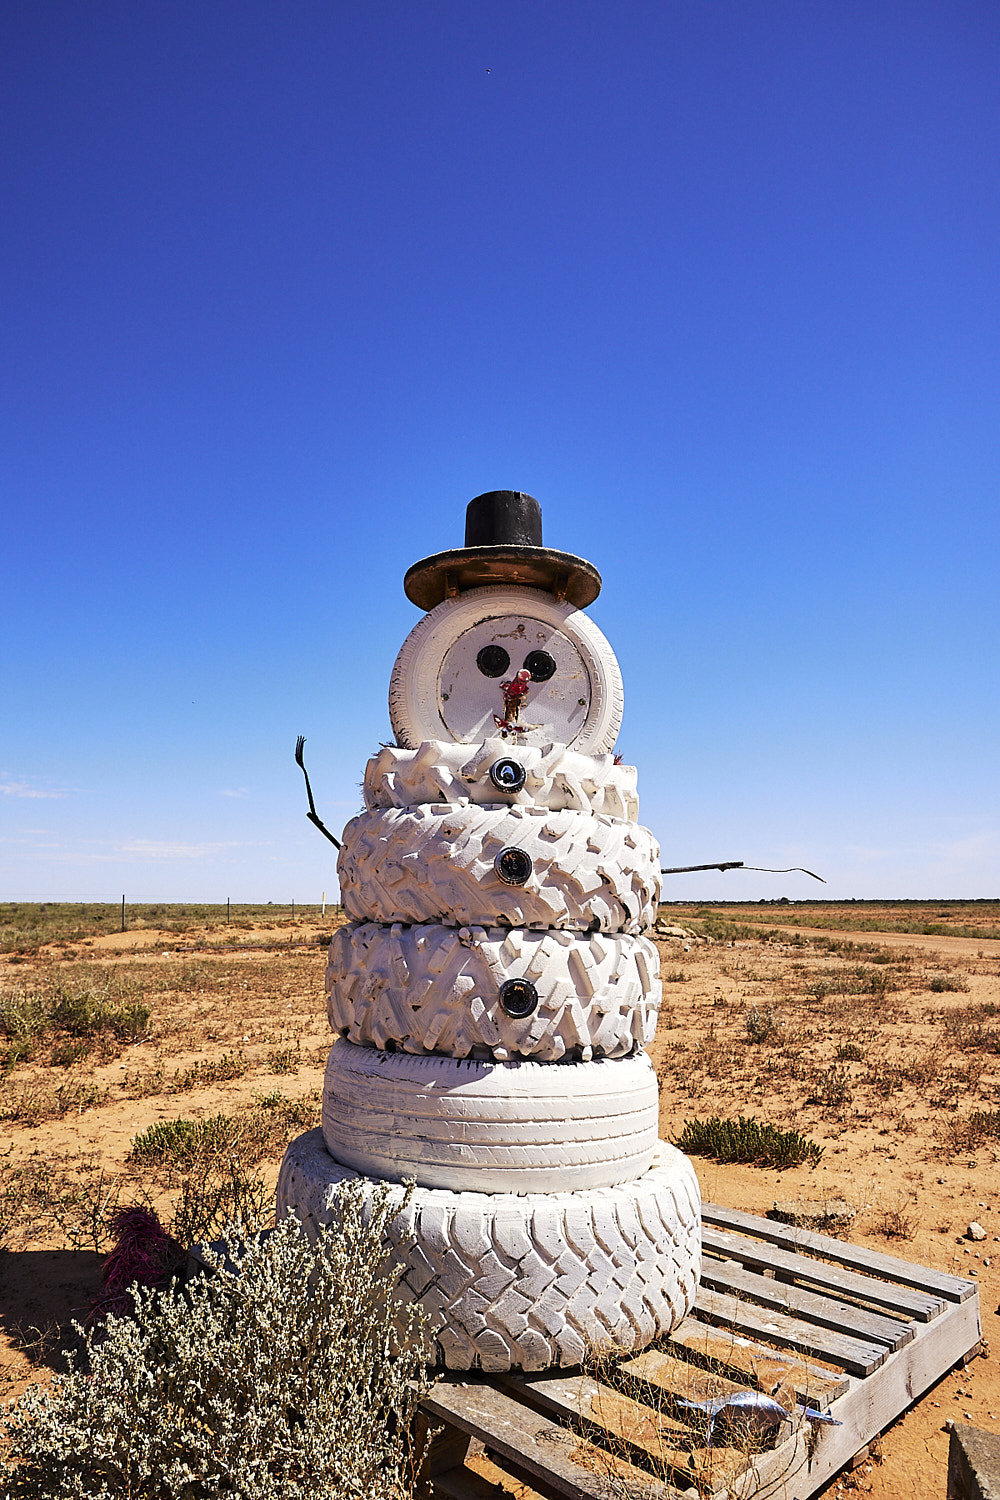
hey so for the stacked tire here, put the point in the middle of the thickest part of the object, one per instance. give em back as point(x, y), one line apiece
point(492, 996)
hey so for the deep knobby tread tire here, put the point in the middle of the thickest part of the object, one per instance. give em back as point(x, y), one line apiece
point(435, 864)
point(414, 708)
point(536, 1281)
point(556, 778)
point(516, 1127)
point(432, 988)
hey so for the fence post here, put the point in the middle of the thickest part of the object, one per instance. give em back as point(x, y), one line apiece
point(123, 914)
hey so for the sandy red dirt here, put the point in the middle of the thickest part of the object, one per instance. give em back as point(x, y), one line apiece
point(886, 1117)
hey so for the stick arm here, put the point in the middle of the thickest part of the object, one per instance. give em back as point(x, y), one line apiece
point(312, 814)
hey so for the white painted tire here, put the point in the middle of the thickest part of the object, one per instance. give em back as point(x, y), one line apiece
point(555, 778)
point(530, 1282)
point(435, 694)
point(436, 864)
point(515, 1127)
point(432, 988)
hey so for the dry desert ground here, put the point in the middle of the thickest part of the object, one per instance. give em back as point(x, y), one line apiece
point(873, 1030)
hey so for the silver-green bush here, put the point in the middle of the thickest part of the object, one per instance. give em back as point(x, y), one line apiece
point(295, 1376)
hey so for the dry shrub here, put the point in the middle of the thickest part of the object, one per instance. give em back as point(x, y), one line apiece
point(71, 1015)
point(761, 1025)
point(939, 984)
point(198, 1174)
point(294, 1378)
point(37, 1099)
point(976, 1129)
point(831, 1088)
point(895, 1224)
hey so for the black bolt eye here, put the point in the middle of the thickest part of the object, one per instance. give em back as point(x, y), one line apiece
point(540, 664)
point(493, 661)
point(513, 865)
point(518, 997)
point(507, 775)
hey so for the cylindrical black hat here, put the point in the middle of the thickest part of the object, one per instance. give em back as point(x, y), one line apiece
point(503, 544)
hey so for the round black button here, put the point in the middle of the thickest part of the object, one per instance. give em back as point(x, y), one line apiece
point(493, 661)
point(541, 665)
point(518, 997)
point(507, 775)
point(513, 865)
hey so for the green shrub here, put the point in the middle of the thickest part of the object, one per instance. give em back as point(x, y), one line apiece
point(83, 1013)
point(747, 1140)
point(181, 1140)
point(295, 1377)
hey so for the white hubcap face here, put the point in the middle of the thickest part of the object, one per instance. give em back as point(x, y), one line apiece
point(553, 710)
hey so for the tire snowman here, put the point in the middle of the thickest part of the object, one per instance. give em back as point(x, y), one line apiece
point(493, 992)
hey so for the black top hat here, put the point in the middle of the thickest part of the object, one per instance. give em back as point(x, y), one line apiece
point(503, 544)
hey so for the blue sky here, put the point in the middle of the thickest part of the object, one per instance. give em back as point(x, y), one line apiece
point(285, 286)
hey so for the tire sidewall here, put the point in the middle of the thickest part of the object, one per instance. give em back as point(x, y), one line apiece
point(413, 688)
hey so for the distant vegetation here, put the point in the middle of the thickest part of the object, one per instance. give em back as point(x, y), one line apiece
point(729, 921)
point(25, 926)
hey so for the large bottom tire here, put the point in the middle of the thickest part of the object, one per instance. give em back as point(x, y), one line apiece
point(529, 1282)
point(432, 988)
point(515, 1127)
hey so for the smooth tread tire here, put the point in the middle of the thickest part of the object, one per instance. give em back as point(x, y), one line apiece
point(555, 777)
point(415, 685)
point(515, 1127)
point(431, 988)
point(529, 1282)
point(436, 864)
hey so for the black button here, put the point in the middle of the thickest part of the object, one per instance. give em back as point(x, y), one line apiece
point(507, 775)
point(493, 661)
point(513, 865)
point(541, 665)
point(518, 997)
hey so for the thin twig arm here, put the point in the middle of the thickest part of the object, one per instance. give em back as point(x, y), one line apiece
point(312, 814)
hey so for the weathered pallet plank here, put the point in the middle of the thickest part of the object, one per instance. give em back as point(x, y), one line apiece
point(535, 1448)
point(668, 1376)
point(870, 1405)
point(679, 1377)
point(580, 1398)
point(853, 1355)
point(724, 1349)
point(776, 1474)
point(905, 1301)
point(814, 1307)
point(907, 1273)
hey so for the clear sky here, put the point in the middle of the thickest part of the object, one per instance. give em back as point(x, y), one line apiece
point(286, 285)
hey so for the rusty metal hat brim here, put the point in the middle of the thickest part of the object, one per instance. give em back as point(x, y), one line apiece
point(448, 574)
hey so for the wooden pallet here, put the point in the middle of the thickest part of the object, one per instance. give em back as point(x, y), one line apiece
point(857, 1334)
